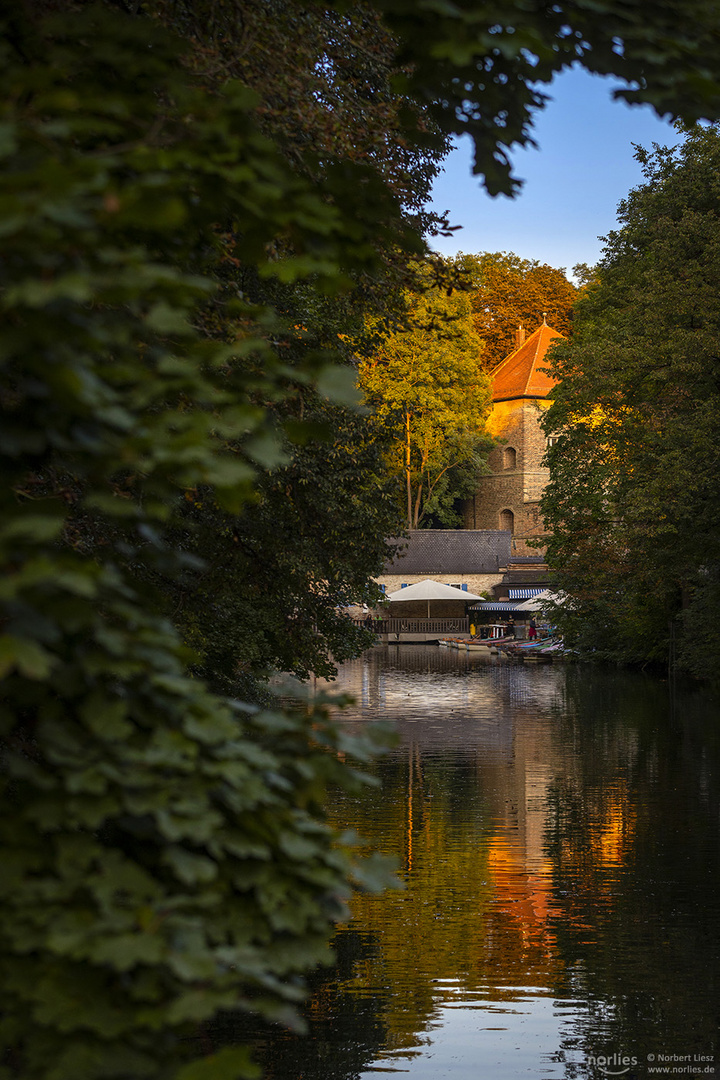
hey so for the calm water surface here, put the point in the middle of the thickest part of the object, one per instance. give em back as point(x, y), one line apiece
point(557, 830)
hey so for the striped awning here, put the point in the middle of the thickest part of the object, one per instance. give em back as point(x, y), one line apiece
point(507, 606)
point(532, 603)
point(526, 593)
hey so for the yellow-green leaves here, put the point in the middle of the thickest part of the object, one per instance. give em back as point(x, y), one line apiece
point(424, 376)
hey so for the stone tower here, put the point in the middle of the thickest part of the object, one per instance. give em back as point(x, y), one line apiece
point(508, 497)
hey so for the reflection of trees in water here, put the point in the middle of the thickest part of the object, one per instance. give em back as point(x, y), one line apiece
point(571, 844)
point(634, 845)
point(345, 1029)
point(434, 819)
point(473, 914)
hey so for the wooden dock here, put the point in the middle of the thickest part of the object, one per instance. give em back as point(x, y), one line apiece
point(399, 631)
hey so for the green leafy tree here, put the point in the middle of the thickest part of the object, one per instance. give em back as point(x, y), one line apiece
point(633, 499)
point(326, 79)
point(275, 578)
point(164, 849)
point(424, 378)
point(508, 292)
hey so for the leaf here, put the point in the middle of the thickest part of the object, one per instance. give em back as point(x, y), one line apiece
point(165, 319)
point(77, 288)
point(107, 718)
point(339, 385)
point(31, 659)
point(37, 527)
point(377, 872)
point(211, 729)
point(267, 450)
point(230, 1063)
point(7, 140)
point(189, 867)
point(126, 951)
point(298, 847)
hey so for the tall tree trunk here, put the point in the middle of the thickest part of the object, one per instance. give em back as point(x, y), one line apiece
point(418, 498)
point(418, 502)
point(408, 479)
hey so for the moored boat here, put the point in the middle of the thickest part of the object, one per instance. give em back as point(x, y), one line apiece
point(541, 651)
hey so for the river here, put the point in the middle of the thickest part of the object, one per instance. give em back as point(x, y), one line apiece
point(557, 833)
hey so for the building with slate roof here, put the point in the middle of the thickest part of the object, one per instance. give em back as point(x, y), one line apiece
point(508, 497)
point(474, 560)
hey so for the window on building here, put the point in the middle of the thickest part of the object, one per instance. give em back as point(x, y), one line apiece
point(507, 520)
point(553, 439)
point(509, 457)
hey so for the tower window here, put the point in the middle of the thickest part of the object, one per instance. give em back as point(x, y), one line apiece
point(509, 458)
point(507, 520)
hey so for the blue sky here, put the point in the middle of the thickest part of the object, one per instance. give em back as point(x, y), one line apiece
point(584, 166)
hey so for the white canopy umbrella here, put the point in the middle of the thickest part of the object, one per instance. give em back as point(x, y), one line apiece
point(538, 602)
point(430, 590)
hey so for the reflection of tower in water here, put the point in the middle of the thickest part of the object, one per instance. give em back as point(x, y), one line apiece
point(520, 945)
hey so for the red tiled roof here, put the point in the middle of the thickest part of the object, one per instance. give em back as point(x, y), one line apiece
point(522, 374)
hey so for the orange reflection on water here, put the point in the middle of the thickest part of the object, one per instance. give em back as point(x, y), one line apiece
point(520, 945)
point(617, 828)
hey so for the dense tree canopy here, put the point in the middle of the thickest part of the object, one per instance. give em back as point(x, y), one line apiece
point(276, 577)
point(164, 850)
point(196, 198)
point(633, 503)
point(508, 292)
point(425, 381)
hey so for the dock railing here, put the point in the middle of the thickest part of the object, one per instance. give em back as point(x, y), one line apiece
point(459, 625)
